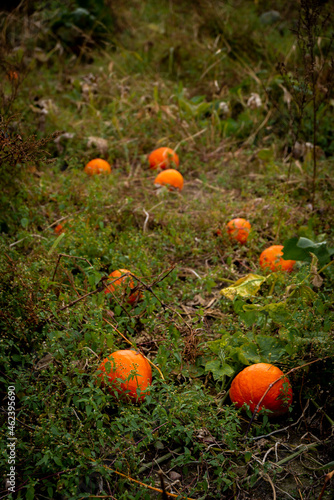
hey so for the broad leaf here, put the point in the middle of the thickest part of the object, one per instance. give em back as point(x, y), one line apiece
point(246, 287)
point(271, 348)
point(278, 311)
point(251, 352)
point(219, 370)
point(301, 249)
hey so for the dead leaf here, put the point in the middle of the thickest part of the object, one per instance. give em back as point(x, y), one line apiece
point(287, 97)
point(59, 140)
point(254, 101)
point(99, 143)
point(174, 476)
point(317, 280)
point(44, 362)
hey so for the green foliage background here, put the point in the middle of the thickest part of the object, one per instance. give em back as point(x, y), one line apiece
point(100, 79)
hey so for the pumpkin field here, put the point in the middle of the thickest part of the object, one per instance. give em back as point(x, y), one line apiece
point(167, 250)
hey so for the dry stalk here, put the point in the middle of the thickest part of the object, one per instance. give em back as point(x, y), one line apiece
point(328, 477)
point(71, 257)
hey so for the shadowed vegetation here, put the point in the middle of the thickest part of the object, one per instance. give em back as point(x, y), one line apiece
point(243, 93)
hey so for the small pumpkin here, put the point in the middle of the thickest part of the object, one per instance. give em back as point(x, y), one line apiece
point(238, 230)
point(271, 259)
point(171, 178)
point(125, 371)
point(123, 283)
point(163, 158)
point(252, 382)
point(97, 166)
point(59, 229)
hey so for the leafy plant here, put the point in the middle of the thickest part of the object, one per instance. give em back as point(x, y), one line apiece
point(303, 248)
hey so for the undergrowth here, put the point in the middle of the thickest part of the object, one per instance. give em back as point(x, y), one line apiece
point(201, 78)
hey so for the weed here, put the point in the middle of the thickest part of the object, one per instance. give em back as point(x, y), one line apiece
point(183, 78)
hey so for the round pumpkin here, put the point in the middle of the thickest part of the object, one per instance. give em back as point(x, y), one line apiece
point(163, 158)
point(59, 229)
point(271, 259)
point(122, 284)
point(63, 227)
point(125, 371)
point(238, 229)
point(253, 381)
point(97, 166)
point(171, 178)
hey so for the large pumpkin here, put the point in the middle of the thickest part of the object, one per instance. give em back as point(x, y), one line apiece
point(125, 371)
point(252, 382)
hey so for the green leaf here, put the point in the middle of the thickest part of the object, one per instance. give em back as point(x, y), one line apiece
point(54, 430)
point(301, 249)
point(292, 252)
point(251, 353)
point(110, 342)
point(248, 286)
point(118, 310)
point(30, 495)
point(249, 317)
point(219, 370)
point(278, 311)
point(24, 222)
point(56, 243)
point(265, 154)
point(216, 346)
point(16, 357)
point(271, 348)
point(239, 355)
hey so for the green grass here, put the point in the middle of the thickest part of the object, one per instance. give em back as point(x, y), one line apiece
point(158, 80)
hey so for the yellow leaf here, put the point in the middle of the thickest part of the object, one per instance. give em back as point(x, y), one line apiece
point(245, 287)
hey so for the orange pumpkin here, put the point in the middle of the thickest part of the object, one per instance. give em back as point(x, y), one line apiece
point(252, 382)
point(125, 371)
point(97, 166)
point(271, 259)
point(163, 158)
point(171, 178)
point(238, 229)
point(59, 229)
point(124, 282)
point(62, 227)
